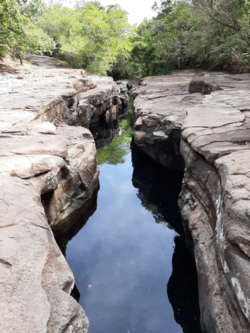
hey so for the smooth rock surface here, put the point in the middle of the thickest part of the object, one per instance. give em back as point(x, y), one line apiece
point(35, 280)
point(48, 177)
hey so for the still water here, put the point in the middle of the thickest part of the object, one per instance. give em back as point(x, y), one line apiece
point(122, 257)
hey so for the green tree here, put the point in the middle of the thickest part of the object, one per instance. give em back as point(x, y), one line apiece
point(18, 33)
point(184, 34)
point(89, 36)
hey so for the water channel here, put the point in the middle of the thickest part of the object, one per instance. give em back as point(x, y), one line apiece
point(132, 270)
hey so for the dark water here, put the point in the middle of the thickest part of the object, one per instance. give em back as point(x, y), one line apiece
point(122, 257)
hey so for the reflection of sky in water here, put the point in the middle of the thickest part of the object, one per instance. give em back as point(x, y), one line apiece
point(126, 257)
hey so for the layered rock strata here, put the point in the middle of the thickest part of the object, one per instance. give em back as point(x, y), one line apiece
point(214, 202)
point(160, 105)
point(215, 199)
point(48, 176)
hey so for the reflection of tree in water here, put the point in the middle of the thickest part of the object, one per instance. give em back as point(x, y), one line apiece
point(120, 147)
point(116, 151)
point(128, 123)
point(158, 190)
point(152, 208)
point(182, 289)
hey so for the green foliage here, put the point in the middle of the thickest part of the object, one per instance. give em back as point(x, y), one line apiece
point(116, 151)
point(17, 32)
point(201, 33)
point(145, 59)
point(88, 36)
point(120, 147)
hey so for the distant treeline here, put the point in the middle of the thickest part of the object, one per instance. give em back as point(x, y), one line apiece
point(202, 33)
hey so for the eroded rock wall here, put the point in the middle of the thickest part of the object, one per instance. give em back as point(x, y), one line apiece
point(35, 280)
point(160, 105)
point(48, 178)
point(214, 201)
point(211, 114)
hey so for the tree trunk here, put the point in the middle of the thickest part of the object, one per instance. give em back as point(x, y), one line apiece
point(21, 59)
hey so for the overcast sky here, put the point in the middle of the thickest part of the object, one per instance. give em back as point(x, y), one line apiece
point(137, 9)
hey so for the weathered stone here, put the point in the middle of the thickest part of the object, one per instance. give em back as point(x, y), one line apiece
point(216, 211)
point(160, 108)
point(213, 112)
point(48, 169)
point(35, 280)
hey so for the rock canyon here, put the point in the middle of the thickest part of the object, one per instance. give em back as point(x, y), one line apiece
point(192, 121)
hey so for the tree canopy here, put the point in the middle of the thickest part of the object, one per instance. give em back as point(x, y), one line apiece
point(18, 31)
point(183, 34)
point(89, 36)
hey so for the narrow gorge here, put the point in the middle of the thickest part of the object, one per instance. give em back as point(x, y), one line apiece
point(135, 210)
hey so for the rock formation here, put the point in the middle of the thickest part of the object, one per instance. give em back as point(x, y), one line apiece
point(160, 108)
point(214, 202)
point(48, 177)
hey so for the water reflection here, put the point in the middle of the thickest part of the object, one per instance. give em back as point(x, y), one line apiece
point(104, 132)
point(115, 152)
point(65, 232)
point(182, 289)
point(158, 190)
point(115, 123)
point(124, 255)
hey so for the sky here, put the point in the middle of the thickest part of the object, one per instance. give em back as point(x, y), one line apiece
point(137, 9)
